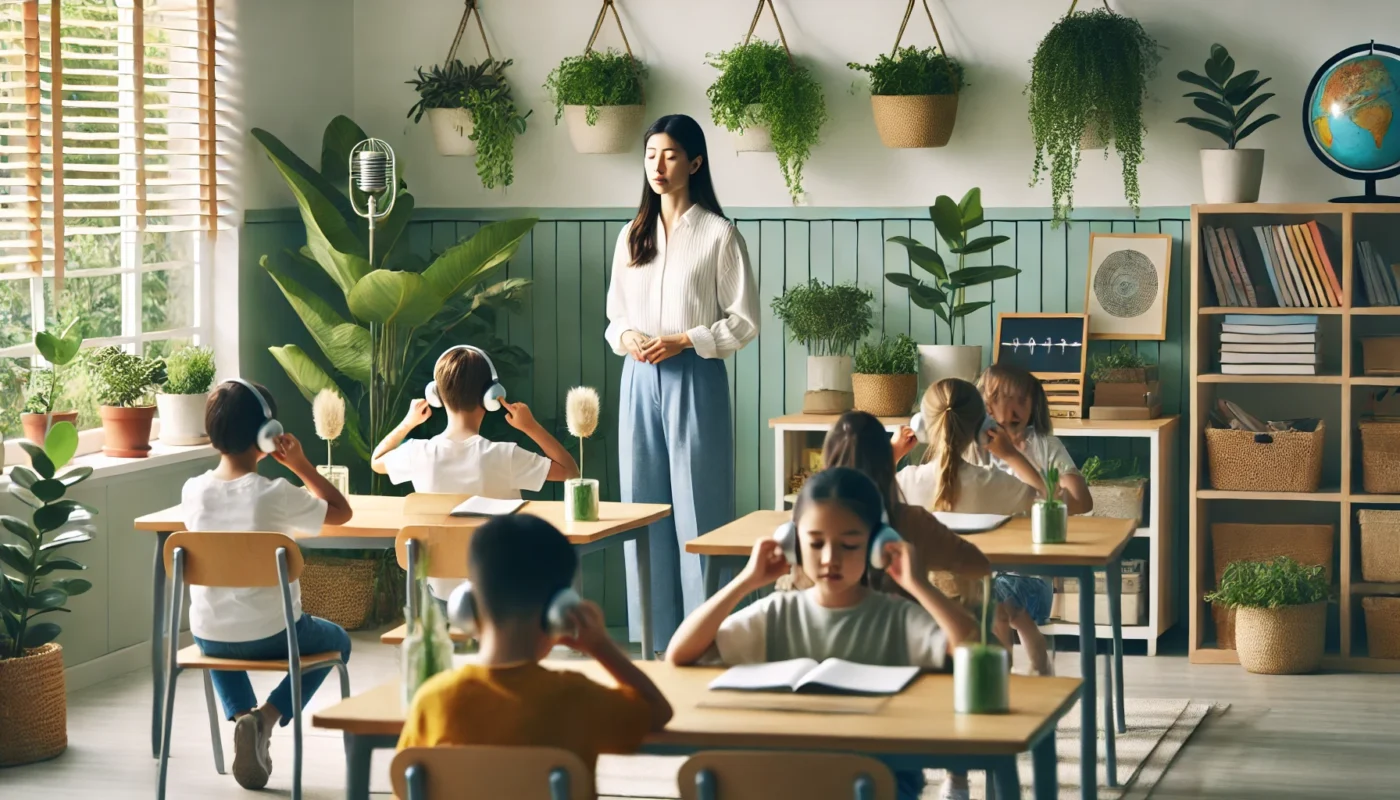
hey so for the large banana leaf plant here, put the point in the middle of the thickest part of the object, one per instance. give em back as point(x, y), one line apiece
point(394, 314)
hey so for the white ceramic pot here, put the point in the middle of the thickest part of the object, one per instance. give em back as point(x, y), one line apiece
point(616, 131)
point(939, 361)
point(451, 129)
point(182, 418)
point(1232, 176)
point(754, 139)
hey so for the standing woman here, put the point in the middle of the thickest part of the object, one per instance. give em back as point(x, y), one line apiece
point(682, 298)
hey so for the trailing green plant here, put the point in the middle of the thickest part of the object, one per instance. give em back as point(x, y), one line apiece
point(829, 320)
point(1091, 66)
point(380, 325)
point(1102, 366)
point(189, 370)
point(1099, 470)
point(28, 589)
point(595, 79)
point(481, 89)
point(122, 379)
point(1228, 97)
point(1280, 583)
point(947, 297)
point(892, 355)
point(58, 350)
point(760, 85)
point(911, 71)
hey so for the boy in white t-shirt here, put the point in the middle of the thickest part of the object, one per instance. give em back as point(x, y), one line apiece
point(460, 460)
point(249, 623)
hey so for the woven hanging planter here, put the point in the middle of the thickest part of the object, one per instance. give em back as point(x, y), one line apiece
point(1281, 641)
point(340, 590)
point(884, 395)
point(453, 127)
point(915, 120)
point(616, 128)
point(33, 707)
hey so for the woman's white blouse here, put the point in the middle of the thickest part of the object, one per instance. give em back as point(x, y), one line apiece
point(699, 283)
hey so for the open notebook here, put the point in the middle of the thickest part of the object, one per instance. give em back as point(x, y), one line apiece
point(832, 676)
point(486, 507)
point(970, 523)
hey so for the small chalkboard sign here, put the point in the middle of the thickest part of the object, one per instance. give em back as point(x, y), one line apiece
point(1043, 344)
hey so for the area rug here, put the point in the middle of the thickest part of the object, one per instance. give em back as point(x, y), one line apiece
point(1157, 730)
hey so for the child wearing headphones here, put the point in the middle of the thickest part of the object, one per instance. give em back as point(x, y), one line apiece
point(1016, 400)
point(227, 622)
point(522, 604)
point(460, 460)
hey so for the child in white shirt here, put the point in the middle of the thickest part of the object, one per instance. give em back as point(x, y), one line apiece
point(1016, 400)
point(460, 460)
point(249, 623)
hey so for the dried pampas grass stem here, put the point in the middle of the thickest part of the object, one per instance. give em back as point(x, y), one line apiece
point(581, 408)
point(328, 414)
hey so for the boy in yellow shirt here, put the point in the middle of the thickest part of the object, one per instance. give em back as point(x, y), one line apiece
point(517, 564)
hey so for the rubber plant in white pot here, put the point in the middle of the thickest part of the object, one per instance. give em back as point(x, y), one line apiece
point(947, 296)
point(189, 374)
point(829, 320)
point(1229, 174)
point(599, 95)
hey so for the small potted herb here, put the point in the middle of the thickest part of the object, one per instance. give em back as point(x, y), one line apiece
point(1280, 614)
point(771, 103)
point(181, 401)
point(886, 376)
point(1117, 492)
point(471, 111)
point(829, 320)
point(982, 669)
point(1230, 174)
point(1049, 516)
point(1123, 379)
point(914, 95)
point(599, 97)
point(124, 383)
point(46, 384)
point(581, 412)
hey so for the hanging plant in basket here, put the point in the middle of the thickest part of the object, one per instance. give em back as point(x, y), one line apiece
point(1088, 80)
point(913, 92)
point(769, 101)
point(599, 95)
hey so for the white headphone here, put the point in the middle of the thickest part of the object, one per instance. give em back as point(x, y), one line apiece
point(917, 423)
point(462, 614)
point(491, 400)
point(786, 536)
point(271, 428)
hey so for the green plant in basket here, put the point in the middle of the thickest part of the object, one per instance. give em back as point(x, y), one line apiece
point(1278, 583)
point(124, 380)
point(189, 370)
point(1103, 367)
point(483, 90)
point(892, 355)
point(595, 79)
point(911, 71)
point(829, 320)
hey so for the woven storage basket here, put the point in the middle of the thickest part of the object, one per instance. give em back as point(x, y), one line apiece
point(33, 707)
point(1380, 545)
point(1382, 626)
point(338, 589)
point(885, 395)
point(1118, 499)
point(1281, 461)
point(1309, 545)
point(915, 120)
point(1380, 456)
point(1282, 641)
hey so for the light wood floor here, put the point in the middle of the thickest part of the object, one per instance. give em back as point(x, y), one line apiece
point(1319, 736)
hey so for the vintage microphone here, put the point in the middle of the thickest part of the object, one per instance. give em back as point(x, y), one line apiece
point(374, 174)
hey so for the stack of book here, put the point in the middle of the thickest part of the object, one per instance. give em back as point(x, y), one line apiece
point(1296, 268)
point(1252, 344)
point(1382, 282)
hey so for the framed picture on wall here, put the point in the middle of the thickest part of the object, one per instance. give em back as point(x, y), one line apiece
point(1128, 277)
point(1053, 348)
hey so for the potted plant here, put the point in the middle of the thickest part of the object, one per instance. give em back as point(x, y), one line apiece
point(471, 111)
point(1124, 365)
point(33, 706)
point(982, 669)
point(1229, 174)
point(828, 320)
point(771, 103)
point(947, 297)
point(599, 97)
point(1280, 614)
point(45, 384)
point(886, 376)
point(914, 95)
point(123, 383)
point(189, 376)
point(1089, 74)
point(581, 412)
point(1050, 515)
point(1117, 492)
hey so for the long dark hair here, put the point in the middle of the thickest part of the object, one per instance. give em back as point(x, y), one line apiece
point(858, 441)
point(641, 239)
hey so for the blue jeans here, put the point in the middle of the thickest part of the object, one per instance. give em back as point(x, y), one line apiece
point(235, 691)
point(1026, 591)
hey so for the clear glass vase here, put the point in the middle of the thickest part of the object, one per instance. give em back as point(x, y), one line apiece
point(337, 474)
point(581, 500)
point(1049, 522)
point(427, 648)
point(981, 682)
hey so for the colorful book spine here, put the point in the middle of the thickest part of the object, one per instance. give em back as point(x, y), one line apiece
point(1243, 290)
point(1306, 240)
point(1273, 320)
point(1213, 243)
point(1222, 297)
point(1299, 298)
point(1295, 259)
point(1250, 288)
point(1299, 286)
point(1363, 268)
point(1326, 259)
point(1284, 298)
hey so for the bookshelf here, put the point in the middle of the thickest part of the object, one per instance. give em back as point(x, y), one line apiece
point(1338, 395)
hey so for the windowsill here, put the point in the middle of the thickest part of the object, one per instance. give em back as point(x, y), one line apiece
point(104, 466)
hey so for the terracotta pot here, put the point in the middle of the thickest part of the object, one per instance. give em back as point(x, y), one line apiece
point(1281, 641)
point(127, 431)
point(35, 425)
point(33, 707)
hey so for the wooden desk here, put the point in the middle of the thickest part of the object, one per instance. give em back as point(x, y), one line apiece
point(912, 730)
point(378, 518)
point(1095, 543)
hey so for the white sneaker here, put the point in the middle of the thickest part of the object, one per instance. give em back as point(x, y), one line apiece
point(249, 767)
point(953, 790)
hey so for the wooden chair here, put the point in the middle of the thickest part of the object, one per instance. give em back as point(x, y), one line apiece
point(446, 547)
point(238, 560)
point(432, 503)
point(740, 775)
point(490, 773)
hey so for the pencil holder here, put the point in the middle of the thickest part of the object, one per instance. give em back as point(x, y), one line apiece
point(980, 679)
point(1049, 522)
point(581, 499)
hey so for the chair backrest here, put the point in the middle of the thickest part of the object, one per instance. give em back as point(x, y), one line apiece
point(739, 775)
point(445, 545)
point(432, 503)
point(492, 773)
point(241, 559)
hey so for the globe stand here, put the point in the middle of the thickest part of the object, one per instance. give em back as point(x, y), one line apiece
point(1369, 197)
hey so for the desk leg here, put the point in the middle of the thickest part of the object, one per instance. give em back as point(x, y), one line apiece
point(358, 750)
point(1115, 618)
point(158, 657)
point(1044, 768)
point(644, 589)
point(1006, 779)
point(1110, 744)
point(1089, 726)
point(712, 570)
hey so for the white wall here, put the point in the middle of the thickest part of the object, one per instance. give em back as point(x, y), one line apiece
point(995, 39)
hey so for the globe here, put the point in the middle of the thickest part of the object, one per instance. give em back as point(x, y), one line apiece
point(1352, 113)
